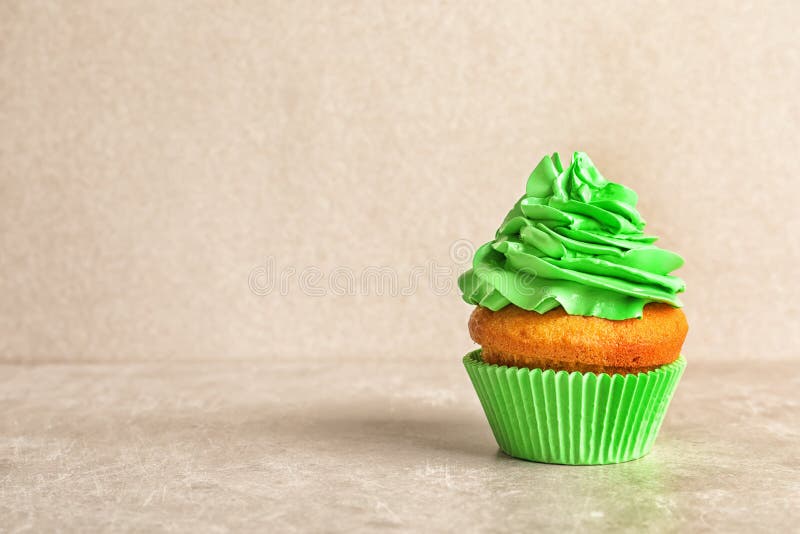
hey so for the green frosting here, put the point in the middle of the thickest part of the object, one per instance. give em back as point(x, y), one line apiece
point(575, 240)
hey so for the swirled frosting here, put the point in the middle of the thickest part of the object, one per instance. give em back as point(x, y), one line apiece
point(575, 240)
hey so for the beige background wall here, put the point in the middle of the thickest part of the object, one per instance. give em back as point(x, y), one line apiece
point(153, 154)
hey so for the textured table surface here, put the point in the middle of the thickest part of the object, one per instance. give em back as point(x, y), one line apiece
point(402, 445)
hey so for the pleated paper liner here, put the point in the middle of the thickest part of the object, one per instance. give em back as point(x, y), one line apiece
point(573, 418)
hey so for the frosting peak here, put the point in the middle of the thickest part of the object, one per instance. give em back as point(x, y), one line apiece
point(574, 239)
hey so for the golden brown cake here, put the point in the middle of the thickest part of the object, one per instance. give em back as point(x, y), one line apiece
point(556, 340)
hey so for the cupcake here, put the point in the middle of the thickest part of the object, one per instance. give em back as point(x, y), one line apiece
point(578, 320)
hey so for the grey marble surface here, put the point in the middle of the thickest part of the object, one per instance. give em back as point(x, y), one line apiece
point(362, 446)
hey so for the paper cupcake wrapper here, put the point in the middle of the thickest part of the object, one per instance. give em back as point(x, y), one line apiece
point(573, 418)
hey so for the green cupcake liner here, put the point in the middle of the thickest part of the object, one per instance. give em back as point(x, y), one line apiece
point(573, 418)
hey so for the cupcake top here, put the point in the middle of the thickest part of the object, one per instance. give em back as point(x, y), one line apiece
point(574, 240)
